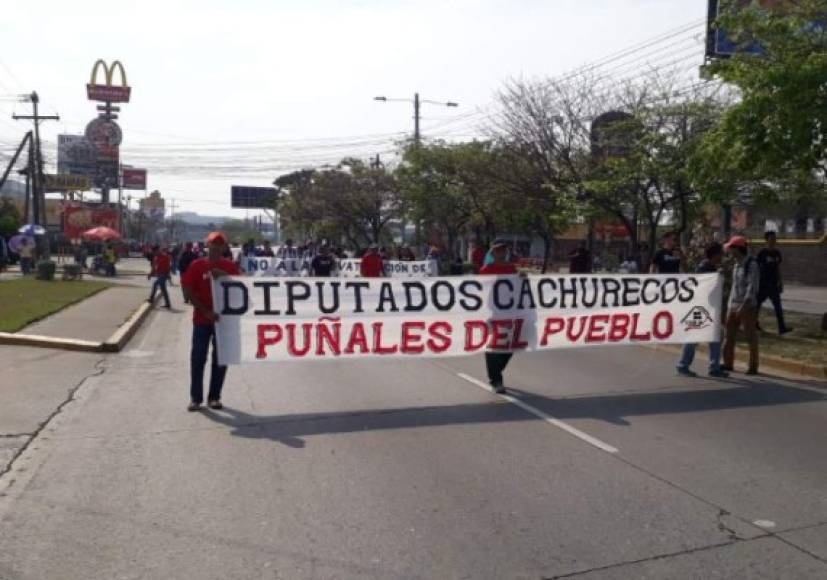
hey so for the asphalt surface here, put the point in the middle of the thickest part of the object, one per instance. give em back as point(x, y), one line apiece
point(602, 464)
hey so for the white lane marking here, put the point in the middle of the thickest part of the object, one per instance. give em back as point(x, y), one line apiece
point(544, 416)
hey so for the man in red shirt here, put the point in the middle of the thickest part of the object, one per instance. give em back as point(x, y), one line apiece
point(161, 267)
point(197, 284)
point(478, 256)
point(371, 265)
point(496, 362)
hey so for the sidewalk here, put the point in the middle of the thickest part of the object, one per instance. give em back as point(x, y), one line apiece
point(95, 318)
point(806, 299)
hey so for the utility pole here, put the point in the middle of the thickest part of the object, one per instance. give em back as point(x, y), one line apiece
point(172, 220)
point(417, 136)
point(37, 177)
point(417, 102)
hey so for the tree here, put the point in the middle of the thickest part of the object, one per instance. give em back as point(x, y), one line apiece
point(776, 136)
point(352, 202)
point(621, 151)
point(452, 188)
point(10, 220)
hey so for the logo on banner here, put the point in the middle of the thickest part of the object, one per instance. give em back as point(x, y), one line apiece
point(108, 92)
point(697, 318)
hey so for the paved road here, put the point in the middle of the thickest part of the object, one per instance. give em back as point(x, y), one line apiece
point(411, 470)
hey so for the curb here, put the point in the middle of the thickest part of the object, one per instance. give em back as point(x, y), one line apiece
point(115, 343)
point(766, 361)
point(127, 330)
point(10, 338)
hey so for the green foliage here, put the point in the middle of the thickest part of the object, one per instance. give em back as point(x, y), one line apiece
point(778, 131)
point(10, 220)
point(45, 270)
point(352, 202)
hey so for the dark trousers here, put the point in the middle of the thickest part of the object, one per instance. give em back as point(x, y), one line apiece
point(775, 298)
point(496, 362)
point(202, 336)
point(160, 282)
point(746, 318)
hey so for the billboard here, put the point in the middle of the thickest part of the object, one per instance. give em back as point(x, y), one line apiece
point(253, 197)
point(65, 182)
point(81, 217)
point(154, 206)
point(75, 155)
point(132, 178)
point(718, 43)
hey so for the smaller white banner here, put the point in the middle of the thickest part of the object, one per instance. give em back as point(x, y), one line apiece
point(349, 268)
point(269, 266)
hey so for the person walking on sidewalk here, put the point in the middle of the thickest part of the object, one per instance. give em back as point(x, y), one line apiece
point(197, 283)
point(161, 268)
point(495, 362)
point(743, 304)
point(714, 255)
point(769, 262)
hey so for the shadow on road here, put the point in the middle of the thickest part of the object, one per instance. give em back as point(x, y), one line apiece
point(289, 429)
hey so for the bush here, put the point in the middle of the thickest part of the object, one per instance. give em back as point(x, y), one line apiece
point(46, 270)
point(72, 272)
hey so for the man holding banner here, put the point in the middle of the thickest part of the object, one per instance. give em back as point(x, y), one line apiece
point(197, 284)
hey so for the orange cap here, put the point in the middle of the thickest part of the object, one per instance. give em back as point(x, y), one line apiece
point(739, 241)
point(217, 237)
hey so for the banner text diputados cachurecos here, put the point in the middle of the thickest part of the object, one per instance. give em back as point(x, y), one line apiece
point(276, 319)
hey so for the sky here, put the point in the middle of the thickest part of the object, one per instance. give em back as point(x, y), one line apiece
point(240, 91)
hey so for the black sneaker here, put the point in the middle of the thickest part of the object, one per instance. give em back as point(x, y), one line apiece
point(727, 368)
point(719, 373)
point(215, 404)
point(687, 372)
point(194, 406)
point(752, 372)
point(784, 331)
point(497, 387)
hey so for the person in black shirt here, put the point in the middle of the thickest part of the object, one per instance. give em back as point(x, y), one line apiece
point(323, 263)
point(668, 259)
point(769, 263)
point(580, 260)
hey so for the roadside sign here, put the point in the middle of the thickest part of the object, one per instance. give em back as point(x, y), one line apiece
point(132, 178)
point(253, 197)
point(65, 182)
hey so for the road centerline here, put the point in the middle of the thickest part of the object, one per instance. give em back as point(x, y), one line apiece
point(595, 442)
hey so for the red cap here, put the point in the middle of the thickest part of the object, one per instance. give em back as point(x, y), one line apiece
point(739, 241)
point(217, 237)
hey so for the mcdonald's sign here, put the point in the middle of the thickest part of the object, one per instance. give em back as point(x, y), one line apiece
point(108, 92)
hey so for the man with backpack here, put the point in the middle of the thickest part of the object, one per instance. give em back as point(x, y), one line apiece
point(743, 304)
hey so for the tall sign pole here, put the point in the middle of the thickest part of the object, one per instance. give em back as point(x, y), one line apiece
point(103, 132)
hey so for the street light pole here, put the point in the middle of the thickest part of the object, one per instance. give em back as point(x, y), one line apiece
point(417, 103)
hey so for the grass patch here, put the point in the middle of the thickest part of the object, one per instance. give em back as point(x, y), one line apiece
point(807, 343)
point(27, 300)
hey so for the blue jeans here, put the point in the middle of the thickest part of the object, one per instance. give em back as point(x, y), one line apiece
point(202, 336)
point(160, 282)
point(689, 355)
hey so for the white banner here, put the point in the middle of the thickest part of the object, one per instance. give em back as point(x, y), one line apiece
point(278, 319)
point(349, 268)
